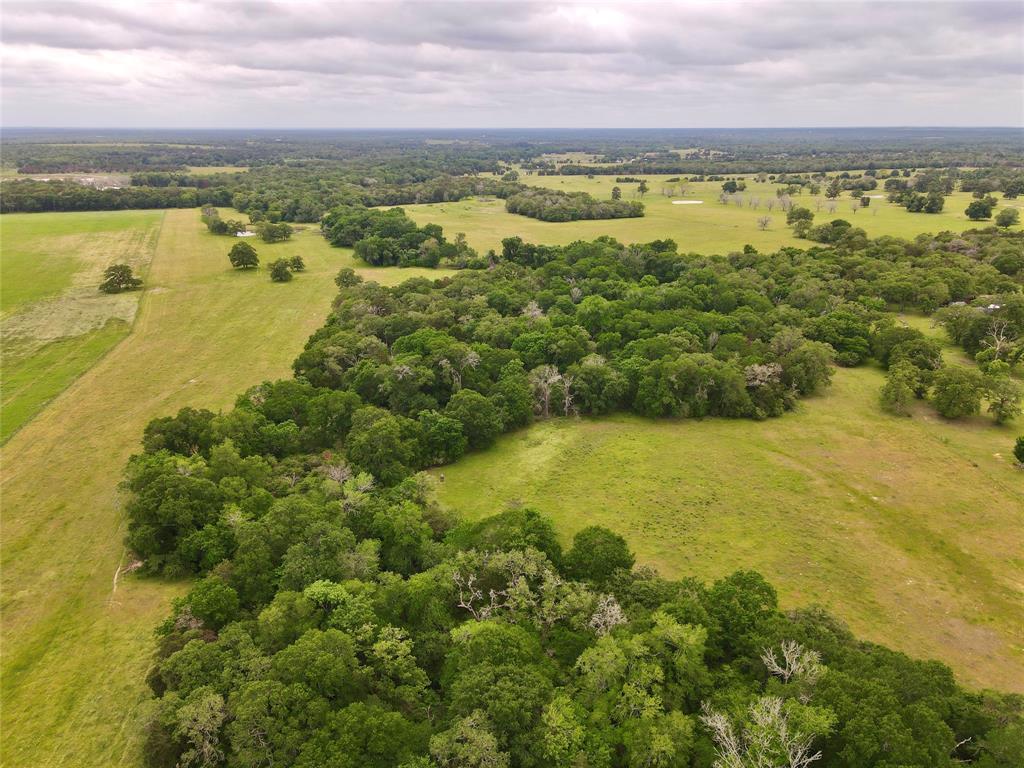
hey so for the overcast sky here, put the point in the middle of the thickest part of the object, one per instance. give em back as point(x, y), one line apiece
point(477, 64)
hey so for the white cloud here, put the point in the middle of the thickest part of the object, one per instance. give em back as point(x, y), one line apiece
point(482, 64)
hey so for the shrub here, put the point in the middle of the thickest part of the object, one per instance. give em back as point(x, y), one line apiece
point(280, 271)
point(1007, 217)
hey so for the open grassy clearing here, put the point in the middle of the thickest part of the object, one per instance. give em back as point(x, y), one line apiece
point(205, 170)
point(708, 227)
point(909, 529)
point(100, 180)
point(55, 322)
point(76, 650)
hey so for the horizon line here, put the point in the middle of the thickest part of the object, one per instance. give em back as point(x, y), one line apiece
point(499, 128)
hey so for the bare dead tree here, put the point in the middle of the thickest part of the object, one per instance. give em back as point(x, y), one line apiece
point(762, 375)
point(998, 338)
point(767, 741)
point(467, 359)
point(609, 614)
point(532, 310)
point(568, 408)
point(543, 379)
point(471, 597)
point(339, 472)
point(575, 292)
point(729, 746)
point(763, 222)
point(453, 373)
point(797, 664)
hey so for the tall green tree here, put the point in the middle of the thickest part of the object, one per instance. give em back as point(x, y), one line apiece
point(118, 278)
point(243, 256)
point(957, 391)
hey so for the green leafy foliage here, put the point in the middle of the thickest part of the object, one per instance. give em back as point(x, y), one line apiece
point(118, 278)
point(243, 256)
point(281, 270)
point(1008, 217)
point(958, 391)
point(981, 209)
point(389, 238)
point(556, 205)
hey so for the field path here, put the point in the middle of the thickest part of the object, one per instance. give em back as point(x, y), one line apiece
point(74, 654)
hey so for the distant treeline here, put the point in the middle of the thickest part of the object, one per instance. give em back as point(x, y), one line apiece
point(556, 205)
point(672, 163)
point(31, 196)
point(298, 177)
point(278, 194)
point(458, 152)
point(105, 158)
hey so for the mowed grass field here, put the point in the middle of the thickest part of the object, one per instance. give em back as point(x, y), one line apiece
point(75, 649)
point(704, 227)
point(56, 324)
point(909, 529)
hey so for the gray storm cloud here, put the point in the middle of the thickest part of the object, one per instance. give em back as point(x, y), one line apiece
point(386, 64)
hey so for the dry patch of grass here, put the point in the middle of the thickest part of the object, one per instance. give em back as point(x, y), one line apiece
point(81, 308)
point(55, 323)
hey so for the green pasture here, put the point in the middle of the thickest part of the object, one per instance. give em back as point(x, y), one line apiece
point(701, 225)
point(908, 529)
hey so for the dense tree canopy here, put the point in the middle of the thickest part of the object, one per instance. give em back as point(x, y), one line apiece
point(349, 625)
point(389, 238)
point(342, 618)
point(555, 205)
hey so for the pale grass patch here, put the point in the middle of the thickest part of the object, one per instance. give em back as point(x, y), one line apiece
point(81, 308)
